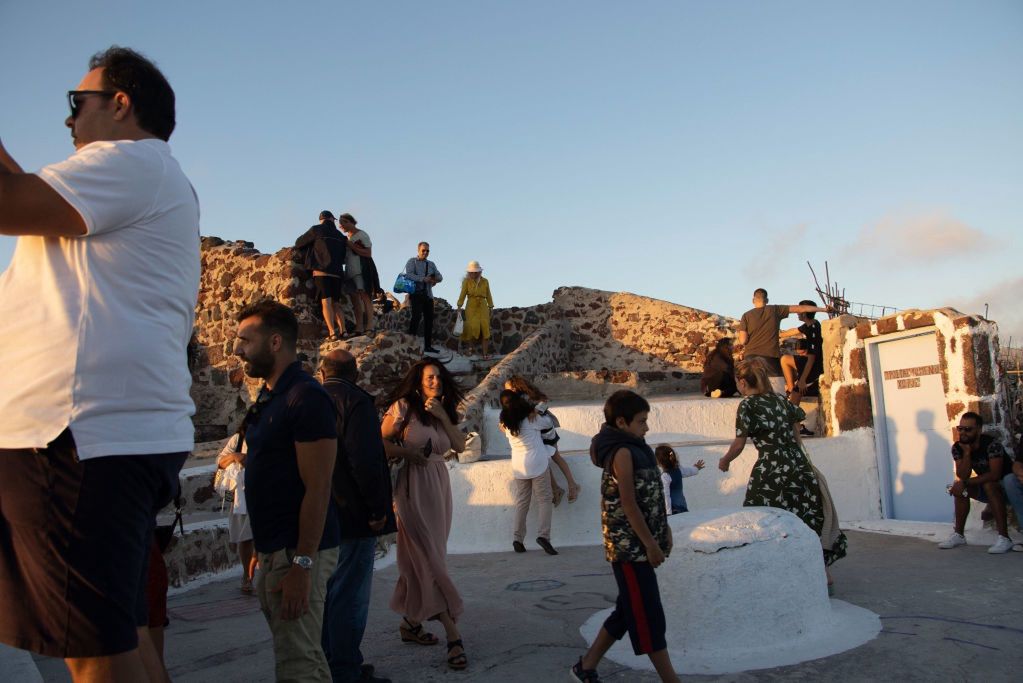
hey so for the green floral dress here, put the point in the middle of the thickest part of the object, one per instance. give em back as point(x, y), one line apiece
point(782, 476)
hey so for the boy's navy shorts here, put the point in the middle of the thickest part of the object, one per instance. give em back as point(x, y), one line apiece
point(638, 608)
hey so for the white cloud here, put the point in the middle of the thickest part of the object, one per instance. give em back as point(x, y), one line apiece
point(922, 237)
point(773, 254)
point(1005, 307)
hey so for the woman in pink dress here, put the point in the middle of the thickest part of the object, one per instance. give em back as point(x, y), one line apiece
point(420, 426)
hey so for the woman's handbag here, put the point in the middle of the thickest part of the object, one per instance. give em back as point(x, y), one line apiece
point(459, 324)
point(404, 284)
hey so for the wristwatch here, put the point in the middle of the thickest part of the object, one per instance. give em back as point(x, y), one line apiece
point(303, 561)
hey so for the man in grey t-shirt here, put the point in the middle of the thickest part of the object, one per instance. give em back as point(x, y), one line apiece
point(758, 330)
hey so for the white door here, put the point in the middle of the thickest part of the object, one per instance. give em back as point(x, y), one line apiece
point(916, 428)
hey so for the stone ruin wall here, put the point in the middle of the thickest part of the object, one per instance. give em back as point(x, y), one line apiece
point(967, 355)
point(602, 337)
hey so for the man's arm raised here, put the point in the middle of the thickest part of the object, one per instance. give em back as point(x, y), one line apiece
point(28, 206)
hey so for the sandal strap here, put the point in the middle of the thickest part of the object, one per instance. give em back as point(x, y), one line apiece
point(452, 644)
point(412, 629)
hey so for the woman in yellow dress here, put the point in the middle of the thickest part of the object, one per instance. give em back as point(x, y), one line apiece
point(476, 324)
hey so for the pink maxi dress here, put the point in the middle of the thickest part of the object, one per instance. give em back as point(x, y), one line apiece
point(422, 497)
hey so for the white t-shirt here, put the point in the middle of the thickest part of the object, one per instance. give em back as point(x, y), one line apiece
point(353, 264)
point(530, 456)
point(95, 328)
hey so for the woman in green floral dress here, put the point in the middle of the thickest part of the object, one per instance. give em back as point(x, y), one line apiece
point(783, 476)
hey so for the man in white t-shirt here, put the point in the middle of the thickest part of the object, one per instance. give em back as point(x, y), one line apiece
point(96, 310)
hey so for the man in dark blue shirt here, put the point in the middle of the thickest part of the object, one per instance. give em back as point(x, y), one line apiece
point(292, 445)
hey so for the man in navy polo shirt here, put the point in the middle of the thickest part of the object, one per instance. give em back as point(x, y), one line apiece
point(292, 445)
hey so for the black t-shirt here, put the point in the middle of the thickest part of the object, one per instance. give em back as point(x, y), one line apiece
point(298, 409)
point(814, 346)
point(982, 454)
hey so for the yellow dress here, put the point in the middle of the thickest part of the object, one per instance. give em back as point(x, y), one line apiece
point(477, 310)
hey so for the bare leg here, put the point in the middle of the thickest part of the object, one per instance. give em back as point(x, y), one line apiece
point(367, 308)
point(339, 317)
point(601, 644)
point(962, 509)
point(573, 487)
point(357, 311)
point(126, 667)
point(451, 633)
point(486, 348)
point(662, 662)
point(246, 556)
point(556, 491)
point(788, 368)
point(327, 306)
point(152, 659)
point(253, 563)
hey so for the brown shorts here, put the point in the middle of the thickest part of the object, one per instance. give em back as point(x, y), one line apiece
point(74, 546)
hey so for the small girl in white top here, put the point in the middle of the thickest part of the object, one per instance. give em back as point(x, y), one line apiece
point(538, 399)
point(530, 467)
point(671, 478)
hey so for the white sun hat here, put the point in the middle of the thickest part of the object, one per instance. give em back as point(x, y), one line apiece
point(474, 267)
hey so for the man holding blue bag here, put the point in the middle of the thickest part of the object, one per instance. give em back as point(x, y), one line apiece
point(424, 273)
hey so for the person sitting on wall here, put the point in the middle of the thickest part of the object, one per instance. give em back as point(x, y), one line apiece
point(803, 371)
point(758, 330)
point(1012, 482)
point(985, 457)
point(719, 371)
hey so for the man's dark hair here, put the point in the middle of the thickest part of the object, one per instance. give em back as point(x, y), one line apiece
point(977, 419)
point(760, 293)
point(151, 95)
point(808, 302)
point(624, 404)
point(276, 318)
point(346, 369)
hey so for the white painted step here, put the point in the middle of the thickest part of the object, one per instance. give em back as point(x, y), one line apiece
point(678, 420)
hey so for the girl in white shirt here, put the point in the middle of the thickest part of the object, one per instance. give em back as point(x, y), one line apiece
point(530, 464)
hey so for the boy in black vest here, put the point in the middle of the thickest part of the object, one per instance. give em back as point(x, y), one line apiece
point(636, 535)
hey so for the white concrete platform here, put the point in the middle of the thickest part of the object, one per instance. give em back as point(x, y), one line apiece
point(742, 590)
point(484, 504)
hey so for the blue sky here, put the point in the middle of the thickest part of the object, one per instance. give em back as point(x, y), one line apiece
point(689, 151)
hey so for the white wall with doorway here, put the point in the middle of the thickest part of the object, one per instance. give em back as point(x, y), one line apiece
point(910, 419)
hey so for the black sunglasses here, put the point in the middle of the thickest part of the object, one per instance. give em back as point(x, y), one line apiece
point(74, 101)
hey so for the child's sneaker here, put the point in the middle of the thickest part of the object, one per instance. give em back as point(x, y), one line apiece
point(953, 541)
point(1002, 545)
point(581, 675)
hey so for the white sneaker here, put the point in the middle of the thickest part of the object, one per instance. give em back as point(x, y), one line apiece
point(953, 541)
point(1002, 545)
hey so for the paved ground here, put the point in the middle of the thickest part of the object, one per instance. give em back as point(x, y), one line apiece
point(947, 616)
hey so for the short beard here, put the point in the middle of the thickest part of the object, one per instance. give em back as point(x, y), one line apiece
point(260, 365)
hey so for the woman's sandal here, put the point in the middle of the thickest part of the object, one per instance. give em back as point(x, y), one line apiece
point(459, 661)
point(415, 634)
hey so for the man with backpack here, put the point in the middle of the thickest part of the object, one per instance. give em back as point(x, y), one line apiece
point(323, 249)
